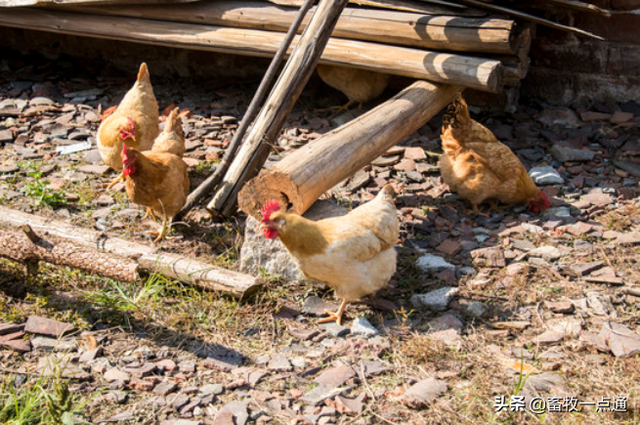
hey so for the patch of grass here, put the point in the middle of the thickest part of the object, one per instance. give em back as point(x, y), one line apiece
point(42, 195)
point(130, 298)
point(48, 400)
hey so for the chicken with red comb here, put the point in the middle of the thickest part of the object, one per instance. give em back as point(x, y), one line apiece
point(354, 253)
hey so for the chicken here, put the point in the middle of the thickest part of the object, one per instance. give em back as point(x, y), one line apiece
point(157, 180)
point(480, 168)
point(354, 254)
point(357, 84)
point(135, 118)
point(171, 139)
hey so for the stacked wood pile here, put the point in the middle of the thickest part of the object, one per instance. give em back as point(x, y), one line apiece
point(462, 46)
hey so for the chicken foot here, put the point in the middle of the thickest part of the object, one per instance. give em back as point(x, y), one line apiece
point(335, 317)
point(166, 226)
point(150, 213)
point(115, 181)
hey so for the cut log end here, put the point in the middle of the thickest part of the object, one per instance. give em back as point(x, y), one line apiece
point(268, 186)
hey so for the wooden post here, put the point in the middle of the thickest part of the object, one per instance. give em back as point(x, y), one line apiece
point(267, 126)
point(301, 177)
point(102, 247)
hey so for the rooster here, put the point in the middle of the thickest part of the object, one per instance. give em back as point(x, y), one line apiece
point(480, 168)
point(354, 254)
point(135, 119)
point(157, 180)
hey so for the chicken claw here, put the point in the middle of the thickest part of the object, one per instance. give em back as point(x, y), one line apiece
point(149, 213)
point(115, 181)
point(335, 317)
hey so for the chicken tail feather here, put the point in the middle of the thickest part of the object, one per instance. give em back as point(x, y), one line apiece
point(143, 73)
point(458, 114)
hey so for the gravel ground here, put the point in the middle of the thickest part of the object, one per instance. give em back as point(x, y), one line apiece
point(484, 313)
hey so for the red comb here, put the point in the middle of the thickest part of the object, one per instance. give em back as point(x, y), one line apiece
point(269, 208)
point(128, 133)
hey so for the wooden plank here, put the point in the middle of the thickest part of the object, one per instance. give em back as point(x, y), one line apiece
point(149, 258)
point(301, 177)
point(268, 124)
point(478, 73)
point(447, 33)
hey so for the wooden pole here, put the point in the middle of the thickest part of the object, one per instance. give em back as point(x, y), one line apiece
point(478, 73)
point(449, 33)
point(267, 126)
point(26, 246)
point(300, 178)
point(214, 179)
point(148, 259)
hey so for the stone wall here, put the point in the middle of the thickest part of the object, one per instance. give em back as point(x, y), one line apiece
point(568, 68)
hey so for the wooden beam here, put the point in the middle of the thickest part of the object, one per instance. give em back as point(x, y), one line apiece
point(447, 33)
point(268, 124)
point(149, 259)
point(479, 73)
point(301, 177)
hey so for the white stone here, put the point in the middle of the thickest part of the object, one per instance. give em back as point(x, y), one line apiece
point(362, 327)
point(435, 300)
point(547, 252)
point(430, 262)
point(545, 175)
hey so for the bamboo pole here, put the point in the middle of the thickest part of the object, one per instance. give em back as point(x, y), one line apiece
point(448, 33)
point(266, 128)
point(479, 73)
point(300, 178)
point(149, 259)
point(214, 179)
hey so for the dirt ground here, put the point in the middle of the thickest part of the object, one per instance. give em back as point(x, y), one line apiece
point(510, 318)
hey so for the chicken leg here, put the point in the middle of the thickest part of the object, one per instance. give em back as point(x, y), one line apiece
point(335, 317)
point(166, 226)
point(115, 181)
point(149, 213)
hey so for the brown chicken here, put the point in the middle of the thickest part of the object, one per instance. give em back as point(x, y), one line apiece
point(480, 168)
point(358, 85)
point(135, 119)
point(354, 254)
point(157, 180)
point(171, 139)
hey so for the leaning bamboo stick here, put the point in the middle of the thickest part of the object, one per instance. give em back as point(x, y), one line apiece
point(447, 33)
point(481, 74)
point(301, 177)
point(148, 258)
point(297, 71)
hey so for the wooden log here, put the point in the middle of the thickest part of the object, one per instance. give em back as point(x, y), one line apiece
point(149, 259)
point(25, 246)
point(266, 128)
point(447, 33)
point(301, 177)
point(479, 73)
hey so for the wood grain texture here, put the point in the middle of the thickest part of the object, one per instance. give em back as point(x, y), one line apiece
point(448, 33)
point(301, 177)
point(149, 259)
point(479, 73)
